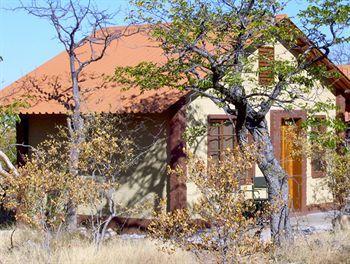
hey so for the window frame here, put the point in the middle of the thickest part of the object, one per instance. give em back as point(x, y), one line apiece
point(223, 118)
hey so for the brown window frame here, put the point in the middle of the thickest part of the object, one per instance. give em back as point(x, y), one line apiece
point(266, 56)
point(224, 118)
point(317, 173)
point(219, 119)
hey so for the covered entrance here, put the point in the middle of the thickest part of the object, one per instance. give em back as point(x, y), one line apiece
point(282, 123)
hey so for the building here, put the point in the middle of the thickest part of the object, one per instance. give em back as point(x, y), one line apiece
point(168, 112)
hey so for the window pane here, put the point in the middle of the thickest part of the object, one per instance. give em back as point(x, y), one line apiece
point(228, 128)
point(221, 137)
point(214, 144)
point(228, 142)
point(214, 129)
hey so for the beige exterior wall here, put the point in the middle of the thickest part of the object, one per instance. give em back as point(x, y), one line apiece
point(200, 108)
point(145, 181)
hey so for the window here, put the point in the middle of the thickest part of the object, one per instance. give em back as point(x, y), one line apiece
point(221, 135)
point(266, 58)
point(318, 163)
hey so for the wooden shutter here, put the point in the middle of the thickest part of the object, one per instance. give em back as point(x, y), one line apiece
point(266, 58)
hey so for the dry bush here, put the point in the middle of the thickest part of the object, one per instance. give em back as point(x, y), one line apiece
point(45, 187)
point(322, 248)
point(220, 224)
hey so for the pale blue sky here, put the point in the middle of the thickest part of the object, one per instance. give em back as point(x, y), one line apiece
point(26, 42)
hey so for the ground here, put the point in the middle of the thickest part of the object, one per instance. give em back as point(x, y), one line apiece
point(308, 224)
point(315, 242)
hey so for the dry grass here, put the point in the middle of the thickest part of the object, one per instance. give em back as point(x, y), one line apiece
point(319, 248)
point(28, 249)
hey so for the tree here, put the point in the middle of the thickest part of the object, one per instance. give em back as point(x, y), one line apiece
point(76, 24)
point(8, 119)
point(209, 48)
point(40, 191)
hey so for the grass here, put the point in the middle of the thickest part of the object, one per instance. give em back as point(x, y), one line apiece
point(322, 248)
point(28, 248)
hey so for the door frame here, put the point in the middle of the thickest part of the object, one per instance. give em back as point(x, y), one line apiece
point(276, 118)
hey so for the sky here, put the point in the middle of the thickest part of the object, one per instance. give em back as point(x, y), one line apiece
point(26, 41)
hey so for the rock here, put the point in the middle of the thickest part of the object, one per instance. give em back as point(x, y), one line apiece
point(83, 231)
point(307, 230)
point(110, 233)
point(132, 236)
point(341, 222)
point(265, 235)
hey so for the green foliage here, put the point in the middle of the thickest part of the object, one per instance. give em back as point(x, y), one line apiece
point(320, 14)
point(8, 119)
point(323, 142)
point(193, 132)
point(146, 75)
point(333, 126)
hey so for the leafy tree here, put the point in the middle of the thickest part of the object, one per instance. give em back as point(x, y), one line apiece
point(209, 49)
point(8, 119)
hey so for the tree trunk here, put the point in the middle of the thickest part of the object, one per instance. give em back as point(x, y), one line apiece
point(75, 125)
point(277, 182)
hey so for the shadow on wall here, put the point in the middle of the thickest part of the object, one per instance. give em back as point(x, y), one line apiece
point(146, 179)
point(197, 129)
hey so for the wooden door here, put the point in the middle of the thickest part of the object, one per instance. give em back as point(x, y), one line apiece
point(292, 164)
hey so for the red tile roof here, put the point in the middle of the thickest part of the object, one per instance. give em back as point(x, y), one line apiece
point(49, 88)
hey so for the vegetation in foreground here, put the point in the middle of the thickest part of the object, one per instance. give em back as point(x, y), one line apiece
point(28, 248)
